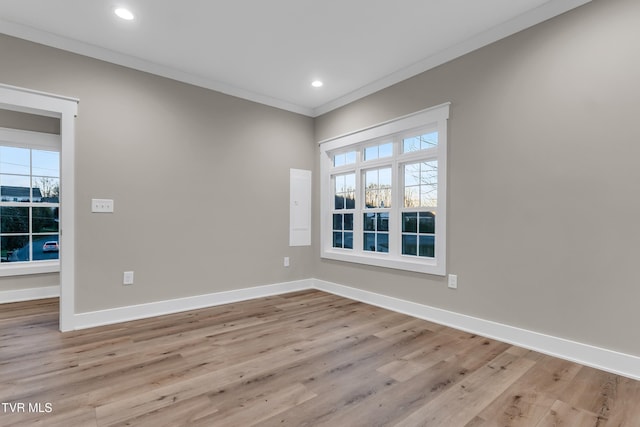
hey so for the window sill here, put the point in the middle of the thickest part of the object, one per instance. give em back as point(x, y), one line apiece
point(428, 265)
point(25, 268)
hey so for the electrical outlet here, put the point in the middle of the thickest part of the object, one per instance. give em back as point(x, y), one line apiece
point(127, 278)
point(286, 261)
point(453, 281)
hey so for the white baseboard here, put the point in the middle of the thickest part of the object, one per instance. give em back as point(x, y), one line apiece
point(607, 360)
point(18, 295)
point(600, 358)
point(159, 308)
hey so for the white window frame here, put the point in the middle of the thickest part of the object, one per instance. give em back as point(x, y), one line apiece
point(33, 140)
point(434, 118)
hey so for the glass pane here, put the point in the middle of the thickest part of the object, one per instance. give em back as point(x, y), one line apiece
point(383, 242)
point(340, 184)
point(412, 197)
point(384, 177)
point(409, 222)
point(339, 160)
point(369, 242)
point(350, 157)
point(427, 246)
point(348, 240)
point(348, 221)
point(46, 189)
point(350, 182)
point(45, 220)
point(337, 240)
point(429, 196)
point(427, 222)
point(337, 221)
point(15, 160)
point(412, 174)
point(14, 248)
point(371, 153)
point(420, 142)
point(385, 150)
point(350, 200)
point(369, 222)
point(409, 245)
point(429, 172)
point(371, 179)
point(339, 202)
point(371, 198)
point(45, 247)
point(14, 188)
point(45, 163)
point(383, 222)
point(14, 219)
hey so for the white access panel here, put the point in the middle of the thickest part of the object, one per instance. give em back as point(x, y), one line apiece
point(300, 207)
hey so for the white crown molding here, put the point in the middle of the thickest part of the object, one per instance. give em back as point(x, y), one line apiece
point(517, 24)
point(546, 11)
point(18, 295)
point(96, 52)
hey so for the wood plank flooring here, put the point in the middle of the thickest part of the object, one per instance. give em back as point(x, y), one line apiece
point(301, 359)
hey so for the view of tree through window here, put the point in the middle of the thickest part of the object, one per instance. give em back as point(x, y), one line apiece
point(29, 204)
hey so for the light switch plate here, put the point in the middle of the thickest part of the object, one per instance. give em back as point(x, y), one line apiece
point(102, 205)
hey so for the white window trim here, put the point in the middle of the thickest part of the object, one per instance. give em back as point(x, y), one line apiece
point(436, 117)
point(65, 108)
point(33, 140)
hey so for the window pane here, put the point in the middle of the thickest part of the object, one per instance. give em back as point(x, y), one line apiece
point(46, 163)
point(427, 247)
point(337, 221)
point(412, 197)
point(383, 222)
point(409, 222)
point(427, 222)
point(46, 189)
point(45, 247)
point(339, 160)
point(409, 245)
point(420, 142)
point(348, 221)
point(337, 239)
point(350, 157)
point(14, 219)
point(385, 150)
point(350, 200)
point(348, 240)
point(339, 202)
point(14, 188)
point(371, 198)
point(383, 242)
point(429, 196)
point(369, 222)
point(45, 220)
point(371, 153)
point(369, 242)
point(14, 248)
point(350, 182)
point(15, 160)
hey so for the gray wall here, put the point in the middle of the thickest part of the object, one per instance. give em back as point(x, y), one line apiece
point(543, 182)
point(200, 180)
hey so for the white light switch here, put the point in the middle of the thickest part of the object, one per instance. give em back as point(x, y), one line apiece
point(102, 205)
point(453, 281)
point(127, 278)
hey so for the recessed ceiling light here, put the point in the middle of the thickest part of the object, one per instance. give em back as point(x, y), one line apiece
point(124, 14)
point(316, 83)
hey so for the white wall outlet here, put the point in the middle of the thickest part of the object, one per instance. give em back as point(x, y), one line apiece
point(127, 278)
point(102, 205)
point(453, 281)
point(286, 261)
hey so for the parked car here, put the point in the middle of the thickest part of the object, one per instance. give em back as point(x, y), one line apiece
point(51, 246)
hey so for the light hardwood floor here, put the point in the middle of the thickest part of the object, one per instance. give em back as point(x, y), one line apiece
point(302, 359)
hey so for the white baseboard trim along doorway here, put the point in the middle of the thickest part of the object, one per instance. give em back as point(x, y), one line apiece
point(29, 294)
point(585, 354)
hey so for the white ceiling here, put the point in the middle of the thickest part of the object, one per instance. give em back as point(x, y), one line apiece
point(269, 51)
